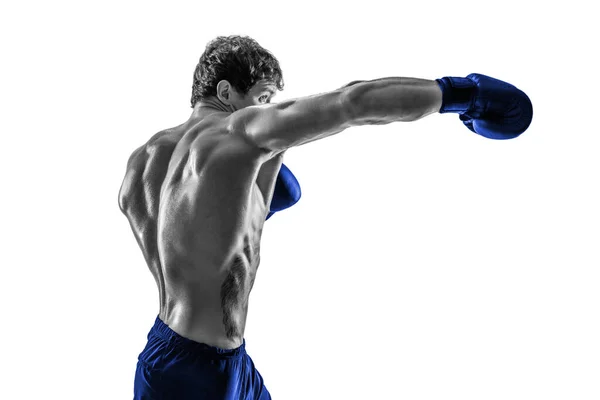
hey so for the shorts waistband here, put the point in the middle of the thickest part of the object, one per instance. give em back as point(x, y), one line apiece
point(167, 334)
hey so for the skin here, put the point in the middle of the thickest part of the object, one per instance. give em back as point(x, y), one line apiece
point(197, 195)
point(196, 200)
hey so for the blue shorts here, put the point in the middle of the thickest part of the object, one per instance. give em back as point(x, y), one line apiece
point(176, 368)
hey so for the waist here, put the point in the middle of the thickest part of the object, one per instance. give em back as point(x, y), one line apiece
point(212, 325)
point(197, 341)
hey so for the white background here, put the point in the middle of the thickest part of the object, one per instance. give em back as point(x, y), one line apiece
point(422, 262)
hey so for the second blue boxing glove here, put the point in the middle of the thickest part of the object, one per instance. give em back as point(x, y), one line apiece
point(287, 191)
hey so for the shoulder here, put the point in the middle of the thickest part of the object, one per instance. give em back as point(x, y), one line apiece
point(165, 140)
point(218, 140)
point(156, 151)
point(147, 165)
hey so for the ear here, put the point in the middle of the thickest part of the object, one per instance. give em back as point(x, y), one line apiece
point(224, 91)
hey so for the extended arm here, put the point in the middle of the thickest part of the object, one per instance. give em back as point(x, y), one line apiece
point(487, 106)
point(277, 127)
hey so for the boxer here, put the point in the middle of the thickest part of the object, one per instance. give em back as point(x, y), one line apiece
point(197, 197)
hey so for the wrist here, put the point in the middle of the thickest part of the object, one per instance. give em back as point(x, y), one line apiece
point(457, 94)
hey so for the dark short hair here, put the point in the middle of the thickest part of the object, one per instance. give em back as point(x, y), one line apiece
point(237, 59)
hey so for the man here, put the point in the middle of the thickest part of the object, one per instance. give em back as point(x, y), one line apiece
point(197, 196)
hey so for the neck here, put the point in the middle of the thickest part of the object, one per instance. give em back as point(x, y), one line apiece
point(212, 104)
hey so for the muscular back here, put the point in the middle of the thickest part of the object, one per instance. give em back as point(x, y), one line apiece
point(196, 197)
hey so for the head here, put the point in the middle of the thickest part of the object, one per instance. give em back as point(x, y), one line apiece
point(236, 71)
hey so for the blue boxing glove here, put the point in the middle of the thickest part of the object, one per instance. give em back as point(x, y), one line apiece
point(487, 106)
point(287, 191)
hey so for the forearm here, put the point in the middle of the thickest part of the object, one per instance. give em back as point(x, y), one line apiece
point(387, 100)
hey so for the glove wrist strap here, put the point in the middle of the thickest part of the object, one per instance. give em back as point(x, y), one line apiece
point(457, 94)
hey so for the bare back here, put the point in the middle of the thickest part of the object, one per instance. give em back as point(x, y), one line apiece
point(196, 197)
